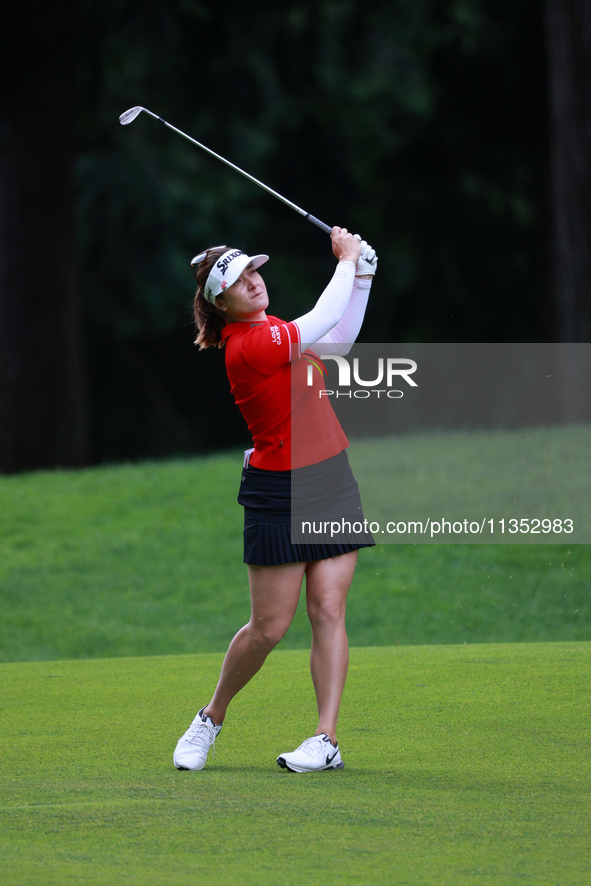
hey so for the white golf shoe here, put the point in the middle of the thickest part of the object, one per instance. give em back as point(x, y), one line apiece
point(313, 755)
point(193, 747)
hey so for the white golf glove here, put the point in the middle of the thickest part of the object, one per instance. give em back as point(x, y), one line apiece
point(367, 261)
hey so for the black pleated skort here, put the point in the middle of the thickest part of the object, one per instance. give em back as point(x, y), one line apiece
point(320, 493)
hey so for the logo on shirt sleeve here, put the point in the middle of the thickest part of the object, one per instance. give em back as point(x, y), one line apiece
point(276, 335)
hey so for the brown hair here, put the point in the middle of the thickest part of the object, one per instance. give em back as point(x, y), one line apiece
point(209, 320)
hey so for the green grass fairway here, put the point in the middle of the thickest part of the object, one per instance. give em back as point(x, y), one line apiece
point(147, 560)
point(464, 765)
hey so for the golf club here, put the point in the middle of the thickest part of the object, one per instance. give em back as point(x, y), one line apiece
point(130, 115)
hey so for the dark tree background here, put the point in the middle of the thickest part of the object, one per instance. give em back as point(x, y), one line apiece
point(453, 134)
point(568, 30)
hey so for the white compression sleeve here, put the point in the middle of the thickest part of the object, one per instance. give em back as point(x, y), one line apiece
point(330, 307)
point(344, 334)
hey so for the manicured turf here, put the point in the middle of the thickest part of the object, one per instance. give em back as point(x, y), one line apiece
point(464, 764)
point(146, 559)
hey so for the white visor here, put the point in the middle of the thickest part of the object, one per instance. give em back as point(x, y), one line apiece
point(226, 270)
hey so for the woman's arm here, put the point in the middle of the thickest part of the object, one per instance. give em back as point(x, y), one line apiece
point(333, 302)
point(339, 338)
point(330, 307)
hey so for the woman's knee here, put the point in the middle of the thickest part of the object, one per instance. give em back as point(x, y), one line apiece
point(265, 637)
point(327, 586)
point(327, 610)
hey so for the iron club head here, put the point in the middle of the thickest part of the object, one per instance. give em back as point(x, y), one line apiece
point(130, 115)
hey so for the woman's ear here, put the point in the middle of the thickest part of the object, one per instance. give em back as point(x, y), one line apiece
point(219, 304)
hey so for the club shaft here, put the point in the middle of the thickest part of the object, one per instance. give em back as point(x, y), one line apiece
point(311, 218)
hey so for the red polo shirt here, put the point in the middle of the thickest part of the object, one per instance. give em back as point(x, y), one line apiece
point(262, 361)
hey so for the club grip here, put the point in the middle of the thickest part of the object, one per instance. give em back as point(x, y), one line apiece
point(319, 224)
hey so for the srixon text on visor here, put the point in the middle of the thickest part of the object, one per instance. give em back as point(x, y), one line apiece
point(223, 265)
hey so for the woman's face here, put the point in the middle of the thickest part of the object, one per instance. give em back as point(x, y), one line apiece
point(247, 298)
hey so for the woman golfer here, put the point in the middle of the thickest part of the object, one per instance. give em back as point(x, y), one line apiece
point(262, 354)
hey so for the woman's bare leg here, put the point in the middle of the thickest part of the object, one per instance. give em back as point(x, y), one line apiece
point(274, 595)
point(327, 585)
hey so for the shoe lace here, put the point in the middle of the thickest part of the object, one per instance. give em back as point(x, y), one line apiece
point(202, 734)
point(312, 745)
